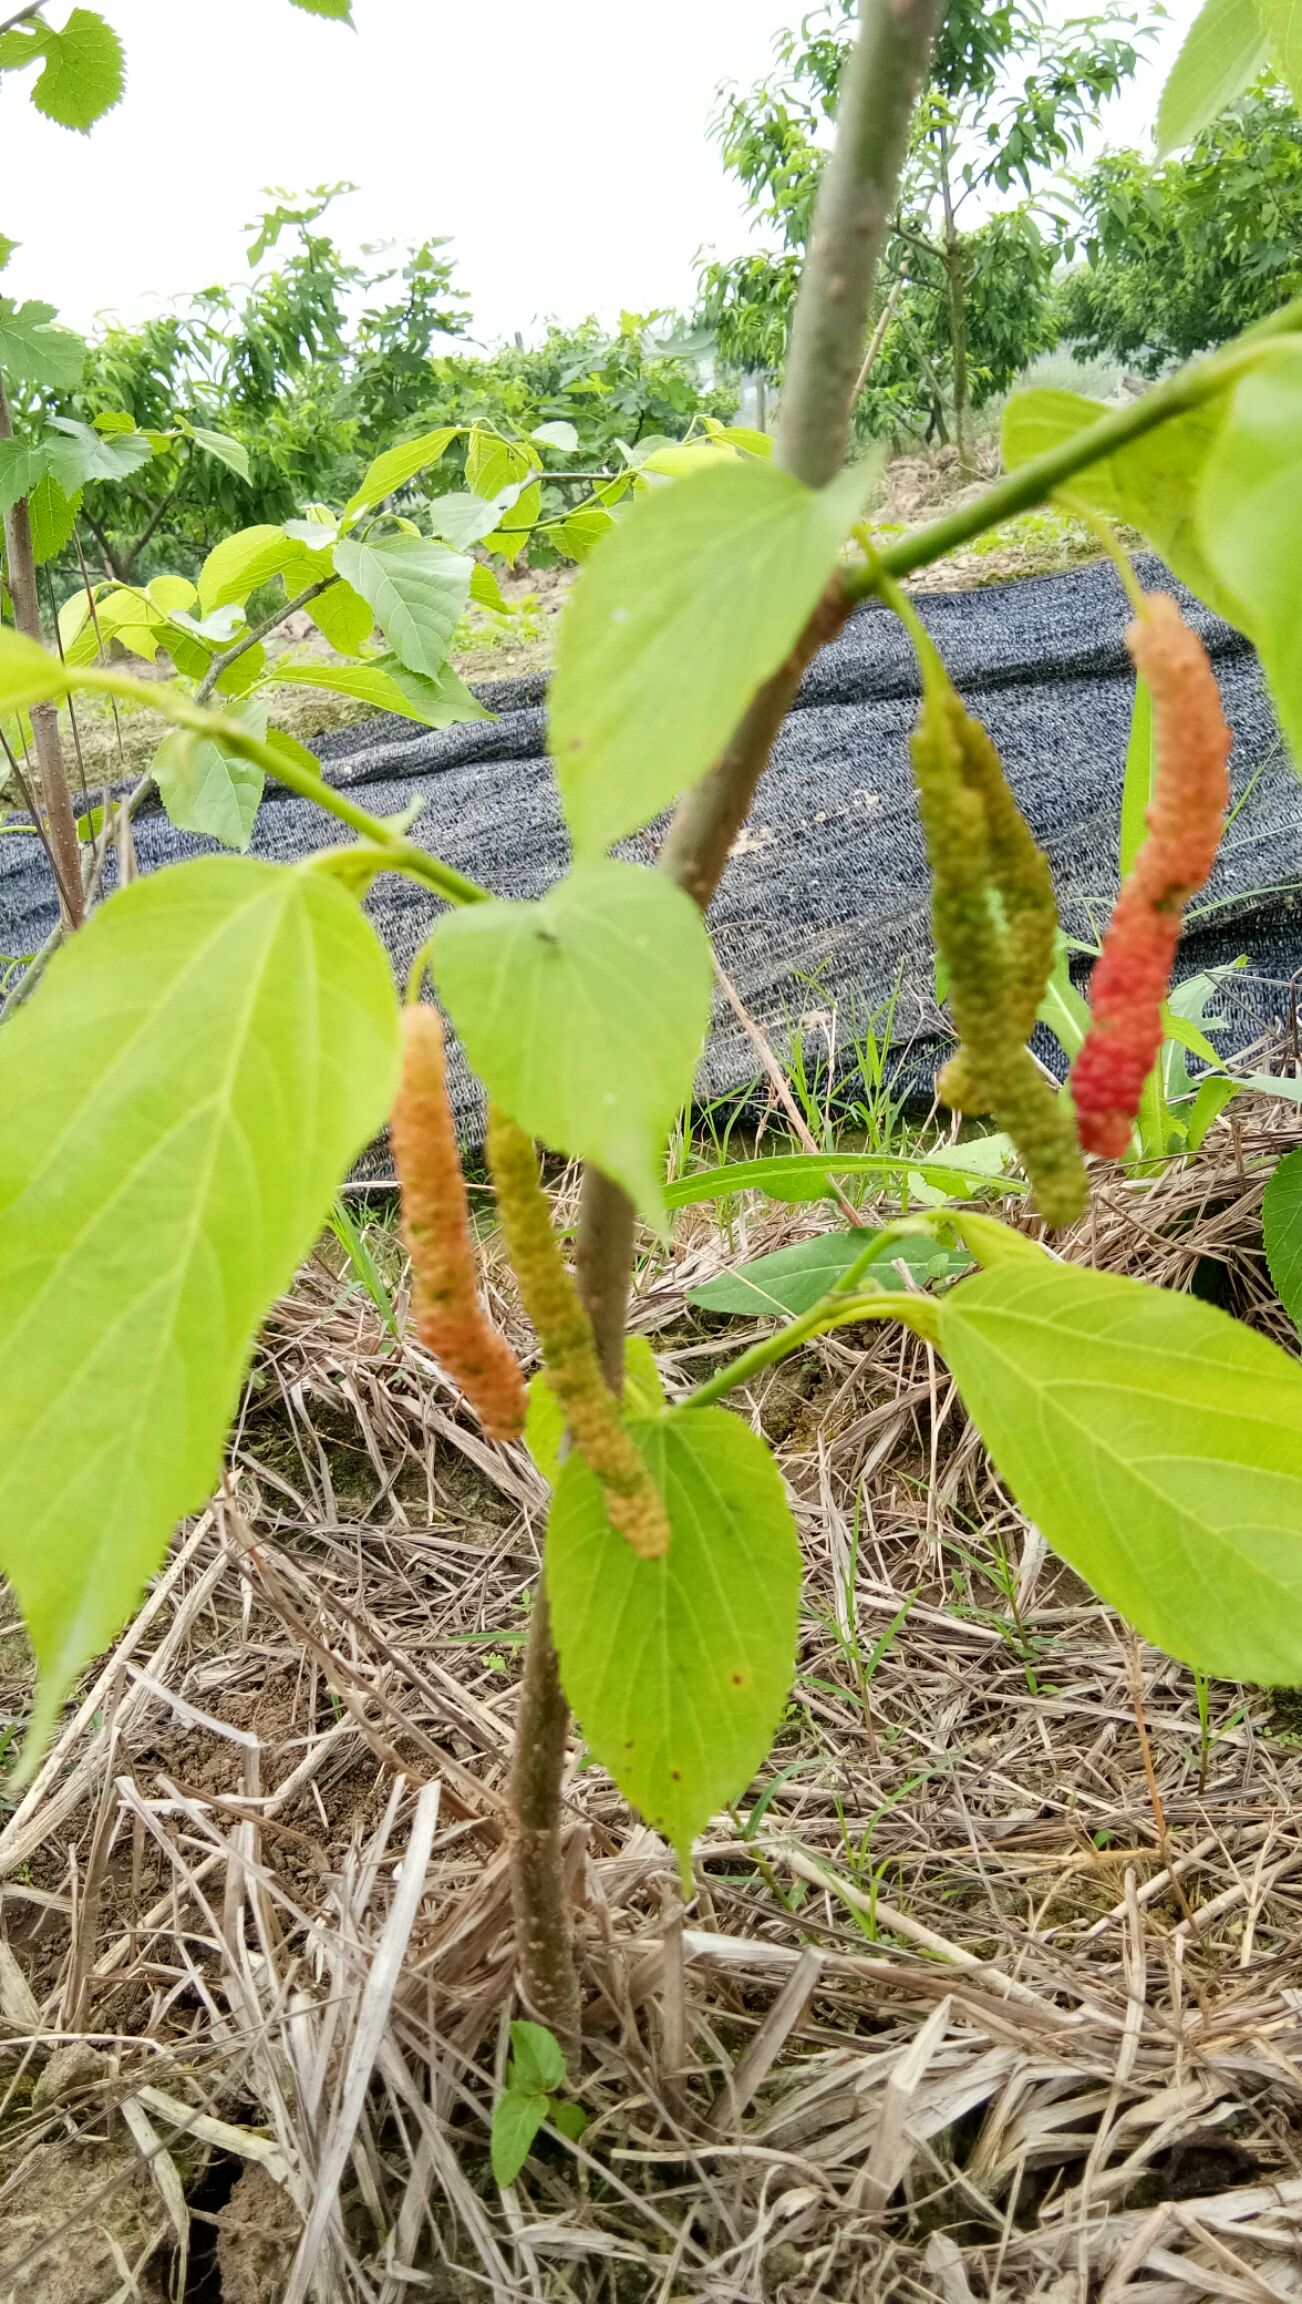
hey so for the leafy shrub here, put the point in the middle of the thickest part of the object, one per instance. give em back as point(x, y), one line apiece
point(1183, 255)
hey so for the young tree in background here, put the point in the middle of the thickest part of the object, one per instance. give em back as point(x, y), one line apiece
point(78, 74)
point(1183, 255)
point(1008, 104)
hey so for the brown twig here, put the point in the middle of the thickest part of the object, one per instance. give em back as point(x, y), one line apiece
point(877, 339)
point(1150, 1777)
point(258, 632)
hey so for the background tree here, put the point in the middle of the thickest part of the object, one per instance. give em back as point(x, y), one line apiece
point(614, 395)
point(79, 76)
point(1183, 255)
point(257, 401)
point(1009, 101)
point(299, 390)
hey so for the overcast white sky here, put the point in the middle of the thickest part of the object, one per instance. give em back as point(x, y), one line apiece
point(561, 144)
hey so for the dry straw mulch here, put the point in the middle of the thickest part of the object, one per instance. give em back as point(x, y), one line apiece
point(991, 1987)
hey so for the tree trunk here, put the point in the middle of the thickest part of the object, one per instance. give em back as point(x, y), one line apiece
point(956, 289)
point(54, 799)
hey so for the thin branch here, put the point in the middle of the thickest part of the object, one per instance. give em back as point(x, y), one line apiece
point(710, 815)
point(160, 512)
point(956, 294)
point(249, 640)
point(101, 654)
point(28, 800)
point(915, 1312)
point(33, 972)
point(106, 550)
point(55, 796)
point(115, 822)
point(83, 789)
point(218, 665)
point(876, 340)
point(1030, 484)
point(395, 853)
point(22, 16)
point(920, 353)
point(917, 240)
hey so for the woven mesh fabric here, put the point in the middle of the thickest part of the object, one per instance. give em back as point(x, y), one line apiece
point(822, 918)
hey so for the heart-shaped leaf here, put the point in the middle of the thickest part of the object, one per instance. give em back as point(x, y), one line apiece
point(584, 1014)
point(693, 600)
point(178, 1101)
point(1158, 1445)
point(418, 590)
point(206, 788)
point(678, 1668)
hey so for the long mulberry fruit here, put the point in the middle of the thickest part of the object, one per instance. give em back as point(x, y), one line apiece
point(995, 924)
point(449, 1317)
point(1191, 791)
point(633, 1502)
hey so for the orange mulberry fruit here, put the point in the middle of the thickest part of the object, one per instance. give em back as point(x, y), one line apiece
point(1186, 817)
point(449, 1317)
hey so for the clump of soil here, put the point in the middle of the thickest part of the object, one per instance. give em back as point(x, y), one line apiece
point(87, 2224)
point(257, 2233)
